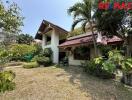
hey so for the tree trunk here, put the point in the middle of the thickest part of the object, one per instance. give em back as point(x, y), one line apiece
point(94, 39)
point(126, 42)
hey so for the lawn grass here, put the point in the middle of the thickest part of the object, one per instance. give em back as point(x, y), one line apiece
point(66, 83)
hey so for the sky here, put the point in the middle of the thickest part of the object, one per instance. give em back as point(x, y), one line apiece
point(54, 11)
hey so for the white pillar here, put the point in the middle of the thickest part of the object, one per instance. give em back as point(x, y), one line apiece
point(54, 46)
point(43, 41)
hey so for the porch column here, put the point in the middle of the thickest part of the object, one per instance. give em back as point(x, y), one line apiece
point(54, 46)
point(43, 41)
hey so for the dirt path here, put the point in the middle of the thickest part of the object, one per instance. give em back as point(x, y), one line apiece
point(63, 84)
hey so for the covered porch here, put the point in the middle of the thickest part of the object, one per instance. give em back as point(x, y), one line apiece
point(80, 49)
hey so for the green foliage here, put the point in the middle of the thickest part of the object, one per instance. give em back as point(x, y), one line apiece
point(113, 22)
point(89, 66)
point(97, 69)
point(24, 39)
point(19, 51)
point(109, 24)
point(7, 75)
point(109, 66)
point(115, 56)
point(106, 68)
point(38, 49)
point(4, 55)
point(127, 65)
point(30, 65)
point(98, 60)
point(35, 58)
point(6, 79)
point(127, 71)
point(75, 32)
point(81, 12)
point(47, 52)
point(46, 61)
point(10, 18)
point(44, 57)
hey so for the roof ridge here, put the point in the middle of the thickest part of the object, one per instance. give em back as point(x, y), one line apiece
point(85, 35)
point(55, 25)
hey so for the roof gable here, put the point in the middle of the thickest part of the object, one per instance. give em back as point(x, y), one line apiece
point(47, 26)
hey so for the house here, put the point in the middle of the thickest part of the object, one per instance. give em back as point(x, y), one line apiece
point(52, 36)
point(55, 37)
point(85, 41)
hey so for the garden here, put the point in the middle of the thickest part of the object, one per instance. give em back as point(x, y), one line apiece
point(27, 71)
point(30, 56)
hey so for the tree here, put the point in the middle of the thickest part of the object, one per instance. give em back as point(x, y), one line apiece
point(108, 21)
point(76, 32)
point(10, 18)
point(114, 22)
point(81, 12)
point(24, 39)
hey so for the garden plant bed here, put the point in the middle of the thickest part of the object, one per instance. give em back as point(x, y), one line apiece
point(67, 83)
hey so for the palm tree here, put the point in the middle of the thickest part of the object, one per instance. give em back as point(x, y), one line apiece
point(81, 12)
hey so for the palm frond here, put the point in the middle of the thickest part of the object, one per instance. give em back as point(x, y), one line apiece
point(76, 22)
point(74, 8)
point(84, 25)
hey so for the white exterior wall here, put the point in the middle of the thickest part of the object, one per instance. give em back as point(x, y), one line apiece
point(54, 45)
point(72, 61)
point(44, 41)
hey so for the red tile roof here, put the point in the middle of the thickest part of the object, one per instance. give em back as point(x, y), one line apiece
point(77, 41)
point(108, 40)
point(89, 40)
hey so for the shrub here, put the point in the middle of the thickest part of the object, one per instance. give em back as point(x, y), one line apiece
point(109, 66)
point(127, 71)
point(47, 52)
point(30, 65)
point(34, 59)
point(6, 79)
point(38, 49)
point(127, 65)
point(46, 61)
point(94, 67)
point(115, 56)
point(44, 57)
point(89, 66)
point(4, 55)
point(21, 51)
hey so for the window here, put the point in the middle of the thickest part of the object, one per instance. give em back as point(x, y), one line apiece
point(48, 40)
point(82, 53)
point(62, 41)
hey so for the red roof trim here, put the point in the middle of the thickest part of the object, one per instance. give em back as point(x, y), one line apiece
point(89, 40)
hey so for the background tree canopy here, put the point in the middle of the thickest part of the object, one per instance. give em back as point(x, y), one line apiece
point(113, 21)
point(24, 39)
point(10, 17)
